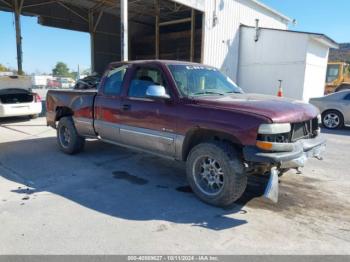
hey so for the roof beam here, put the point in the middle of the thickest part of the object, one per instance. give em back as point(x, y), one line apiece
point(39, 4)
point(72, 11)
point(6, 3)
point(178, 21)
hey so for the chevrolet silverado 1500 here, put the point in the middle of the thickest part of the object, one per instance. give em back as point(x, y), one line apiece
point(193, 113)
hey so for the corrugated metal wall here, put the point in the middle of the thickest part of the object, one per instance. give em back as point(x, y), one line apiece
point(221, 37)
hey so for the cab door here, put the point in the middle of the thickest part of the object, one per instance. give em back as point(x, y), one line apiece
point(148, 124)
point(108, 104)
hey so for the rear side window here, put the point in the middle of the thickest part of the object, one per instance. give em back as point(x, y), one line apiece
point(347, 97)
point(114, 81)
point(142, 79)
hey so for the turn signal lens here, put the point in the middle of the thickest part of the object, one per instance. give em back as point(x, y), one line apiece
point(264, 145)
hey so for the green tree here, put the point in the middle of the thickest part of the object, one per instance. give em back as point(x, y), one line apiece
point(3, 68)
point(61, 69)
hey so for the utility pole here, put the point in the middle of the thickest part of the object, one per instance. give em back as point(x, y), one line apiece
point(157, 7)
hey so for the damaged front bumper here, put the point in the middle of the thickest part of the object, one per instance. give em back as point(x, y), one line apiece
point(295, 156)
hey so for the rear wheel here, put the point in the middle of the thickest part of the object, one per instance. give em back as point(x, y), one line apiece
point(68, 138)
point(332, 119)
point(215, 173)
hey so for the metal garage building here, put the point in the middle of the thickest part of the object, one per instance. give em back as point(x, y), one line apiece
point(206, 31)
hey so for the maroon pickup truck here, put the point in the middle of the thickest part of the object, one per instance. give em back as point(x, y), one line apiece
point(191, 112)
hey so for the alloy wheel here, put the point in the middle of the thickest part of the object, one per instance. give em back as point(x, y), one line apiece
point(208, 175)
point(331, 120)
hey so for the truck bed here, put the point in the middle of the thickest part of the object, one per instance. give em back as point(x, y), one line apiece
point(81, 102)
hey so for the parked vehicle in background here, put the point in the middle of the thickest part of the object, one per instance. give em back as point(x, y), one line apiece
point(193, 113)
point(40, 81)
point(334, 108)
point(338, 77)
point(16, 97)
point(66, 82)
point(53, 83)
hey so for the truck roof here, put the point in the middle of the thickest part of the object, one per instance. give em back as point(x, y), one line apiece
point(155, 61)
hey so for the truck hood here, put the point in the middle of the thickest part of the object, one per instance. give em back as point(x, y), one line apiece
point(279, 110)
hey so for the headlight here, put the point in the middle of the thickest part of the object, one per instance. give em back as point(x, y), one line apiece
point(268, 129)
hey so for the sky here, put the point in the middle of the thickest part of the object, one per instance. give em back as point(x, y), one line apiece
point(44, 46)
point(330, 17)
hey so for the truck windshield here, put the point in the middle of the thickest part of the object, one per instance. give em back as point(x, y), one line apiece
point(193, 80)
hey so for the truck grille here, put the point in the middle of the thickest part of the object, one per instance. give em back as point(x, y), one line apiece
point(304, 130)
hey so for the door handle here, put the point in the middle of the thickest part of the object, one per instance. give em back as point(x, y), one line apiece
point(126, 107)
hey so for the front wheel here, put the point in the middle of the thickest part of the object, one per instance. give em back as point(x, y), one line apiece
point(215, 173)
point(68, 138)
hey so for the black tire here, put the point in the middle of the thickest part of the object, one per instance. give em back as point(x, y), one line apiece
point(68, 139)
point(282, 171)
point(234, 177)
point(34, 116)
point(334, 114)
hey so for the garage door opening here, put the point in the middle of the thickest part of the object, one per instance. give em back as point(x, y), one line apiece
point(161, 29)
point(175, 33)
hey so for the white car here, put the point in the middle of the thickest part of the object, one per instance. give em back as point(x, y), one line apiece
point(17, 99)
point(335, 109)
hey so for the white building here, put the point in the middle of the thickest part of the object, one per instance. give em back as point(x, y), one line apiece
point(299, 59)
point(256, 62)
point(221, 28)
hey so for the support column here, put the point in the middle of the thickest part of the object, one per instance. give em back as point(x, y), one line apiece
point(92, 40)
point(157, 29)
point(193, 34)
point(18, 8)
point(124, 30)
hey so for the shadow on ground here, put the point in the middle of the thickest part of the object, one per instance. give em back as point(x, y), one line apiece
point(111, 180)
point(13, 120)
point(345, 131)
point(135, 186)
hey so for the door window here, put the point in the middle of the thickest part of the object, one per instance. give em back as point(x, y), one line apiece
point(142, 79)
point(114, 81)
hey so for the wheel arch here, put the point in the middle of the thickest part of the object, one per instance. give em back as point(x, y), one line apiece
point(62, 111)
point(330, 110)
point(197, 135)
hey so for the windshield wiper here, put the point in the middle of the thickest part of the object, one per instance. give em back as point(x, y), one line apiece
point(208, 93)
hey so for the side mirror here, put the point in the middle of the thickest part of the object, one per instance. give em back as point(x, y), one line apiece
point(157, 92)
